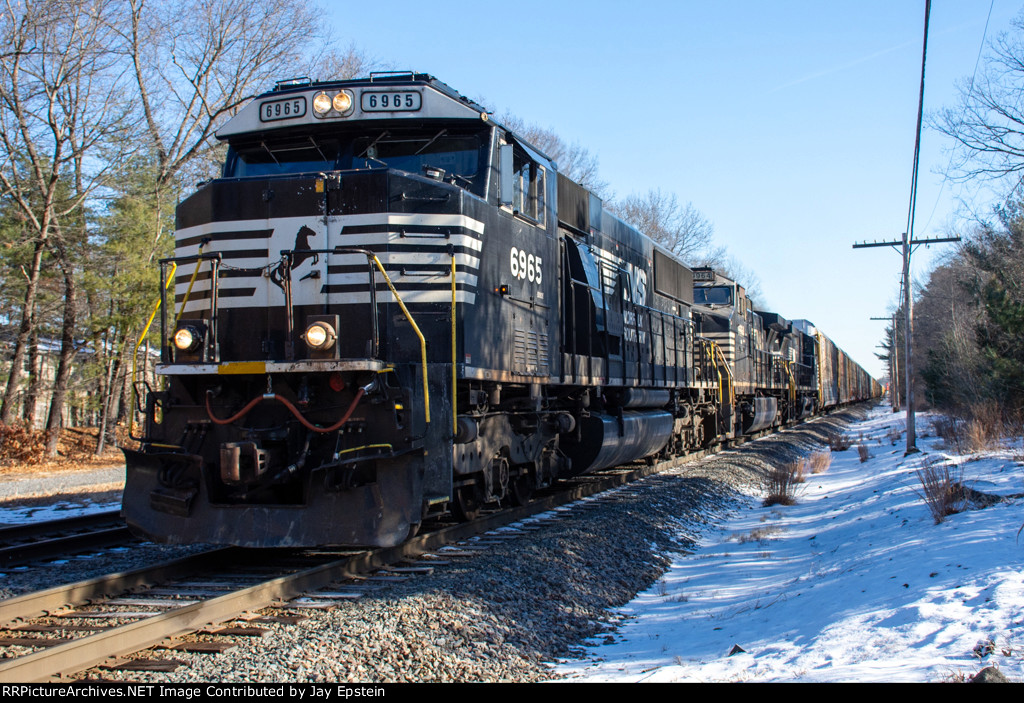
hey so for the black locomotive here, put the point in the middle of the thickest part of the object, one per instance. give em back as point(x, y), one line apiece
point(390, 307)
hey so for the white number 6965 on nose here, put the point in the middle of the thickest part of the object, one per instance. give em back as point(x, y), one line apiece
point(525, 266)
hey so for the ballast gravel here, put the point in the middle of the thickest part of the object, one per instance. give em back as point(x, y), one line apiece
point(506, 614)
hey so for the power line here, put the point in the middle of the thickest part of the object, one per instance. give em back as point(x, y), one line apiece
point(963, 111)
point(908, 242)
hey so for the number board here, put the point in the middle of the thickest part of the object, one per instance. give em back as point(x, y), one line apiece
point(390, 101)
point(703, 275)
point(282, 109)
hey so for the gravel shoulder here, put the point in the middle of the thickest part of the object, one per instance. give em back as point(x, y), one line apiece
point(508, 614)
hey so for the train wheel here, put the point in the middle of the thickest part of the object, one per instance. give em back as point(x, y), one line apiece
point(467, 504)
point(521, 488)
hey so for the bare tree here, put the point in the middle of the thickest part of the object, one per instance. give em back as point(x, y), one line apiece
point(334, 64)
point(196, 62)
point(731, 267)
point(574, 160)
point(59, 101)
point(987, 126)
point(681, 229)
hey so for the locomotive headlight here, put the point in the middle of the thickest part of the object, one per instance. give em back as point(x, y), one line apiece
point(187, 339)
point(322, 104)
point(320, 335)
point(342, 102)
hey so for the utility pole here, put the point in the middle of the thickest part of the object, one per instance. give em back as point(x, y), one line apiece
point(907, 245)
point(896, 360)
point(908, 242)
point(894, 379)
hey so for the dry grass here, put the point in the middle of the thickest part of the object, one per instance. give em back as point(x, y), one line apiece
point(983, 432)
point(761, 534)
point(863, 452)
point(949, 429)
point(800, 470)
point(977, 428)
point(895, 433)
point(820, 461)
point(838, 442)
point(941, 488)
point(780, 484)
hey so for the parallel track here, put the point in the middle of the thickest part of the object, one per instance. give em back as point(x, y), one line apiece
point(21, 544)
point(302, 572)
point(312, 570)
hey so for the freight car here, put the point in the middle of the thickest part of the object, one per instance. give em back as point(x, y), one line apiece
point(391, 307)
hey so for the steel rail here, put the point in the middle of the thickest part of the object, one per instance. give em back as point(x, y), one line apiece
point(55, 538)
point(84, 652)
point(91, 650)
point(64, 545)
point(40, 603)
point(28, 530)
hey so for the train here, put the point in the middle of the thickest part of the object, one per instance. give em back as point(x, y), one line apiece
point(390, 308)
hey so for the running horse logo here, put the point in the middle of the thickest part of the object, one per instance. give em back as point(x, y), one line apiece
point(300, 252)
point(302, 245)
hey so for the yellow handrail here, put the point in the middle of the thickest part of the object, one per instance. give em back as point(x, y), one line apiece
point(188, 291)
point(416, 329)
point(455, 388)
point(821, 370)
point(709, 347)
point(732, 382)
point(135, 352)
point(792, 381)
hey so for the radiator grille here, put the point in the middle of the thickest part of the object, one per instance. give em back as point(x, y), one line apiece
point(530, 352)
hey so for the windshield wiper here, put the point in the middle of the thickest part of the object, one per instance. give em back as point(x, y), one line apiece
point(436, 137)
point(268, 150)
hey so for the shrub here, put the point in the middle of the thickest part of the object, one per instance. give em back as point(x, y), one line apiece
point(820, 461)
point(941, 488)
point(977, 427)
point(863, 453)
point(837, 442)
point(950, 429)
point(800, 470)
point(780, 484)
point(984, 426)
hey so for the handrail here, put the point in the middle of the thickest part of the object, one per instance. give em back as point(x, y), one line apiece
point(732, 382)
point(792, 381)
point(192, 281)
point(371, 256)
point(135, 353)
point(416, 329)
point(455, 388)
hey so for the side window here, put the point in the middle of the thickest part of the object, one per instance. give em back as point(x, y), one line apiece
point(520, 201)
point(537, 193)
point(528, 199)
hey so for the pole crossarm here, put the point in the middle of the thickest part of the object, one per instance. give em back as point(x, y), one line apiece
point(899, 242)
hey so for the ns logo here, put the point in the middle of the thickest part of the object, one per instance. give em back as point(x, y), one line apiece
point(635, 288)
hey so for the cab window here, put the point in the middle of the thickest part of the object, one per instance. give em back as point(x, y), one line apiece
point(528, 196)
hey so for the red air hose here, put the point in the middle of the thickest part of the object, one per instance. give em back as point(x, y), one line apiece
point(288, 404)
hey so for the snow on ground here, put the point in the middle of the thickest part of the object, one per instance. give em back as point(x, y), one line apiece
point(29, 497)
point(55, 511)
point(853, 583)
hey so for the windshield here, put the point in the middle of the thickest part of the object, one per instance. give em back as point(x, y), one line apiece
point(717, 295)
point(452, 155)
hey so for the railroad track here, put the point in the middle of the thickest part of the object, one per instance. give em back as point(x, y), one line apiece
point(22, 544)
point(67, 629)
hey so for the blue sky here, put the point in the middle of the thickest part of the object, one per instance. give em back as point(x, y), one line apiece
point(789, 124)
